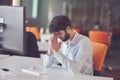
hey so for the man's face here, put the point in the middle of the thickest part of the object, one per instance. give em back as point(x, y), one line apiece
point(63, 35)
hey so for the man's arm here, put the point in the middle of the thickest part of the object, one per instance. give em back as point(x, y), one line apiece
point(48, 59)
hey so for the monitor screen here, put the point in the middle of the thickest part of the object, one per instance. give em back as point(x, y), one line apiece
point(12, 30)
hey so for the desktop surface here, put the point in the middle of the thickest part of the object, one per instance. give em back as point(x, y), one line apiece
point(16, 63)
point(2, 56)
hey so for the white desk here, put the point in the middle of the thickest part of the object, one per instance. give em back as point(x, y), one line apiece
point(16, 63)
point(2, 56)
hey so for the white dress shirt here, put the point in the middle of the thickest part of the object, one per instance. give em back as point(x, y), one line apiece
point(76, 56)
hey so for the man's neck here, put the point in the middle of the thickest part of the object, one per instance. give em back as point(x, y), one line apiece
point(71, 36)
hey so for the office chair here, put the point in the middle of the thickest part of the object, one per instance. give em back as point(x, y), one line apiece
point(105, 38)
point(99, 36)
point(99, 53)
point(31, 45)
point(34, 30)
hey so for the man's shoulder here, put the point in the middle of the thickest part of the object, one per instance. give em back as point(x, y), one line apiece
point(82, 39)
point(80, 36)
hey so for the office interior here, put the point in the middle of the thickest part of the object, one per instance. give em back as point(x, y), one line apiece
point(86, 15)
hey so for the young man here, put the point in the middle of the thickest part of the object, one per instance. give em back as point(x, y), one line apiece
point(69, 48)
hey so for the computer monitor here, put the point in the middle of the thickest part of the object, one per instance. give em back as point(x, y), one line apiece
point(12, 30)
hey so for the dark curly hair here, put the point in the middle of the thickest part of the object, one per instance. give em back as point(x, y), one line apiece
point(59, 23)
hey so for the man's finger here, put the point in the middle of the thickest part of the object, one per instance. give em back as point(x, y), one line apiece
point(55, 37)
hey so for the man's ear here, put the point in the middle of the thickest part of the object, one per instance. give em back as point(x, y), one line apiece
point(68, 28)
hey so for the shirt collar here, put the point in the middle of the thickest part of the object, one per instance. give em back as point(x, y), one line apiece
point(73, 41)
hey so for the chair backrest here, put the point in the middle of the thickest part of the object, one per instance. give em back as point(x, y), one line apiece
point(99, 36)
point(34, 30)
point(31, 45)
point(99, 53)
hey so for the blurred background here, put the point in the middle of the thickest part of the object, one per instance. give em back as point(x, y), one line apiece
point(83, 13)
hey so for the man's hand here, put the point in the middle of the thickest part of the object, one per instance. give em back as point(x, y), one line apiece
point(55, 45)
point(50, 52)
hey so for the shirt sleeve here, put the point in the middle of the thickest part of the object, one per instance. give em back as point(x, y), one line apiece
point(48, 60)
point(74, 66)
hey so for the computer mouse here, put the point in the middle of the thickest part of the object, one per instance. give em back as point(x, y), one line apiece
point(5, 69)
